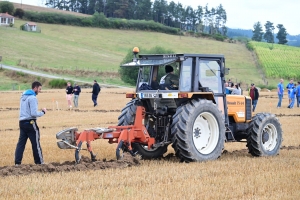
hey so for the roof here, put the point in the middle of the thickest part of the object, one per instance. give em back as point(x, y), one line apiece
point(6, 15)
point(31, 23)
point(164, 59)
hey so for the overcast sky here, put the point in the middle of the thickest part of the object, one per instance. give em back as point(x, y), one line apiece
point(243, 13)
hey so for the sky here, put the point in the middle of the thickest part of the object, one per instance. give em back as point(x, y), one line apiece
point(242, 14)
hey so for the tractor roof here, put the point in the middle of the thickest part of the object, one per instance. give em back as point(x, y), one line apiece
point(164, 59)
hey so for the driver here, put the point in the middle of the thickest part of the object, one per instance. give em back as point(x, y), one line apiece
point(170, 80)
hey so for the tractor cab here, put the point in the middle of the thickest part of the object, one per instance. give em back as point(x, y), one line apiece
point(192, 76)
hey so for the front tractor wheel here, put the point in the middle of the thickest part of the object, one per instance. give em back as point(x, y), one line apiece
point(199, 131)
point(127, 118)
point(264, 135)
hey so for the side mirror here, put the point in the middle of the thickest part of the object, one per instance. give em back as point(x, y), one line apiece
point(227, 71)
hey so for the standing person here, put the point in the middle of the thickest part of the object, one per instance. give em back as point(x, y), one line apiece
point(229, 82)
point(95, 92)
point(253, 93)
point(292, 97)
point(298, 94)
point(28, 126)
point(227, 91)
point(280, 92)
point(69, 92)
point(289, 87)
point(76, 91)
point(234, 88)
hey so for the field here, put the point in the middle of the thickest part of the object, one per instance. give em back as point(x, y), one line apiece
point(278, 61)
point(26, 7)
point(73, 48)
point(235, 175)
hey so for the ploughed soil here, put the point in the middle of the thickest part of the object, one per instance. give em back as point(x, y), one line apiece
point(87, 164)
point(69, 166)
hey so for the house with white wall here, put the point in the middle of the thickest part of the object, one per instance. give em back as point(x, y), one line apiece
point(6, 19)
point(30, 26)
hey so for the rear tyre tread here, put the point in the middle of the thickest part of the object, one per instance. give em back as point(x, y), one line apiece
point(254, 138)
point(181, 131)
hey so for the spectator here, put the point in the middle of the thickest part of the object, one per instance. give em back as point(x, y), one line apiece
point(240, 89)
point(76, 92)
point(227, 91)
point(229, 82)
point(28, 126)
point(253, 93)
point(292, 97)
point(298, 94)
point(69, 92)
point(280, 92)
point(95, 92)
point(289, 88)
point(234, 88)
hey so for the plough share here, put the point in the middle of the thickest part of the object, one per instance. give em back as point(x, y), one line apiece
point(123, 135)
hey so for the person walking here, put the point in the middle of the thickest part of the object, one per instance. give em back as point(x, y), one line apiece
point(280, 92)
point(95, 92)
point(28, 126)
point(76, 92)
point(253, 93)
point(292, 97)
point(298, 94)
point(289, 87)
point(69, 92)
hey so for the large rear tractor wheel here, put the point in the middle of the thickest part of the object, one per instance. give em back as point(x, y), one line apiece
point(264, 135)
point(198, 131)
point(127, 118)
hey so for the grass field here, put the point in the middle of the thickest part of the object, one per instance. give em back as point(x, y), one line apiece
point(235, 175)
point(94, 49)
point(26, 7)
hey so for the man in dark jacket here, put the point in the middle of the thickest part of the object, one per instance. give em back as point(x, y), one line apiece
point(28, 126)
point(169, 81)
point(95, 92)
point(253, 93)
point(76, 92)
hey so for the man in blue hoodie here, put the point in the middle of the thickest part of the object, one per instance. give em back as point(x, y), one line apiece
point(28, 125)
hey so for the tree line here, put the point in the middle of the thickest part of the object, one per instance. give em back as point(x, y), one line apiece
point(201, 19)
point(268, 35)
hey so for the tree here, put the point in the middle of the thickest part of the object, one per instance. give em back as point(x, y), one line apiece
point(281, 35)
point(19, 13)
point(6, 6)
point(268, 36)
point(257, 32)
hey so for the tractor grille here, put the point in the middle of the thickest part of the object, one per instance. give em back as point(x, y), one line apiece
point(248, 109)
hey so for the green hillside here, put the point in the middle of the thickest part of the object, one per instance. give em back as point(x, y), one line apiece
point(67, 48)
point(278, 61)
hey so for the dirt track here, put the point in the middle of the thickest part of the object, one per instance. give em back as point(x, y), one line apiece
point(68, 166)
point(87, 164)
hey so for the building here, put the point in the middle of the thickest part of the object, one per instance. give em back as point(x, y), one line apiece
point(30, 26)
point(6, 19)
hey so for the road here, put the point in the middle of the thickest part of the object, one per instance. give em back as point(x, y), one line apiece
point(56, 77)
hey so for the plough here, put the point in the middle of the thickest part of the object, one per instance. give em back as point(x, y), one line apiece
point(123, 135)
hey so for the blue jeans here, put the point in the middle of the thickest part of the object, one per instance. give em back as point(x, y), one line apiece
point(298, 101)
point(94, 98)
point(75, 100)
point(254, 103)
point(280, 99)
point(292, 103)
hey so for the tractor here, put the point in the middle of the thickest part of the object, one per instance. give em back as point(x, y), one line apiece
point(192, 113)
